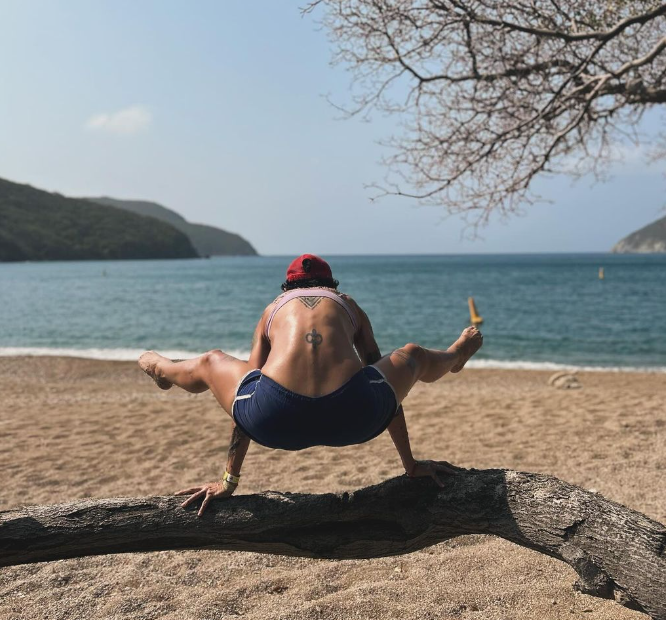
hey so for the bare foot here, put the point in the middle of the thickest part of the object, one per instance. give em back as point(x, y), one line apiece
point(468, 344)
point(148, 363)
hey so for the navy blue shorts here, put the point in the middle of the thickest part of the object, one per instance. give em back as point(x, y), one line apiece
point(275, 417)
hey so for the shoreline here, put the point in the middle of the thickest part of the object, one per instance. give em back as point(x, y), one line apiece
point(132, 355)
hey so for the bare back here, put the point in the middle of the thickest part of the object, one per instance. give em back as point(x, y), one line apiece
point(311, 346)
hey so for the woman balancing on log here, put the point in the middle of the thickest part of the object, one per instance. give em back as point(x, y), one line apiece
point(315, 377)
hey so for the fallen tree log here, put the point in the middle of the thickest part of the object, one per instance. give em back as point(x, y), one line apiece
point(617, 552)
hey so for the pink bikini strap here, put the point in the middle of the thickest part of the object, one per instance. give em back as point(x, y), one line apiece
point(311, 292)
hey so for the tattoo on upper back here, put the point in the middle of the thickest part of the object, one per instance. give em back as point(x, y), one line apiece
point(309, 302)
point(314, 338)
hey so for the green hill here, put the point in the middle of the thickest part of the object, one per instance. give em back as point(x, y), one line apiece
point(207, 240)
point(649, 239)
point(37, 225)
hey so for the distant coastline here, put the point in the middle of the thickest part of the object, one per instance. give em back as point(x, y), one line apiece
point(650, 239)
point(36, 226)
point(40, 226)
point(207, 240)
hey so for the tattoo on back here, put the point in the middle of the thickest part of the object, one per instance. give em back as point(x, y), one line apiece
point(309, 302)
point(314, 338)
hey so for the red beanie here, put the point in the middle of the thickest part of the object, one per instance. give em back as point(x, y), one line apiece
point(308, 267)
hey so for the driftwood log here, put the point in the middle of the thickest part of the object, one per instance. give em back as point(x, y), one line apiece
point(618, 553)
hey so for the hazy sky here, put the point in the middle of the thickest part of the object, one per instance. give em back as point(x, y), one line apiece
point(216, 109)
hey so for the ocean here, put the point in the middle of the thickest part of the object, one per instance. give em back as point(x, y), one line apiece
point(543, 311)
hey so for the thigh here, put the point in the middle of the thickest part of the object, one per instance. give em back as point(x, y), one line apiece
point(401, 369)
point(222, 373)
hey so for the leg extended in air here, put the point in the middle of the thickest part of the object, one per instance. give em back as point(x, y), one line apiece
point(411, 363)
point(214, 370)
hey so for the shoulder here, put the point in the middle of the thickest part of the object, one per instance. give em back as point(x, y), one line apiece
point(352, 302)
point(270, 308)
point(362, 320)
point(276, 301)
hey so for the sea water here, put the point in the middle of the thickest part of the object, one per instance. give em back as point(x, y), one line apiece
point(539, 311)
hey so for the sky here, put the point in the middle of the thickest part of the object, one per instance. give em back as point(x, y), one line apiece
point(219, 110)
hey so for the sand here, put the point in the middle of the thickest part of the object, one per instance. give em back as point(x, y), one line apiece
point(72, 429)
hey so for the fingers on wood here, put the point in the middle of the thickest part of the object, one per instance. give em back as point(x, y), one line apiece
point(193, 498)
point(188, 491)
point(204, 504)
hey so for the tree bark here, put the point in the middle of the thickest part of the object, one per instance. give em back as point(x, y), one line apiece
point(617, 552)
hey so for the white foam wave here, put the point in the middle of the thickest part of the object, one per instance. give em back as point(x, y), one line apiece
point(554, 366)
point(133, 354)
point(104, 354)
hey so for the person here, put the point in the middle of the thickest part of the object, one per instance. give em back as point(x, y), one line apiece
point(315, 376)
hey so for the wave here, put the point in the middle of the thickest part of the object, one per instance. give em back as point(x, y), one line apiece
point(128, 354)
point(119, 355)
point(556, 366)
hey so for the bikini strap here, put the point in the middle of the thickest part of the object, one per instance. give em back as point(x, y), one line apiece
point(310, 292)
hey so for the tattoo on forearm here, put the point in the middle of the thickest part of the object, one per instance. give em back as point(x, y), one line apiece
point(411, 362)
point(237, 436)
point(314, 338)
point(309, 302)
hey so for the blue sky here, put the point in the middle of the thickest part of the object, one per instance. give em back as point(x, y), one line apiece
point(218, 111)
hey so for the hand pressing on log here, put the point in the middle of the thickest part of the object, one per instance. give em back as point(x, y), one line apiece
point(209, 492)
point(421, 469)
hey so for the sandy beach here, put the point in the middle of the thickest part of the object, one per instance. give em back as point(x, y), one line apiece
point(73, 428)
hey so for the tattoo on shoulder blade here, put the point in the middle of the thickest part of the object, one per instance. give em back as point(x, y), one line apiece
point(309, 302)
point(314, 338)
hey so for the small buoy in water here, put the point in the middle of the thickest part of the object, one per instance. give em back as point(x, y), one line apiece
point(474, 317)
point(601, 273)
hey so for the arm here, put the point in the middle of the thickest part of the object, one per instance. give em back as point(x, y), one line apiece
point(368, 351)
point(238, 446)
point(398, 431)
point(261, 346)
point(239, 442)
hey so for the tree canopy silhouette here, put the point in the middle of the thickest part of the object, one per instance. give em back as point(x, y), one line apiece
point(493, 94)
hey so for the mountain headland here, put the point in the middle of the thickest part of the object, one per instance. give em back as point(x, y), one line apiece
point(649, 239)
point(207, 240)
point(36, 225)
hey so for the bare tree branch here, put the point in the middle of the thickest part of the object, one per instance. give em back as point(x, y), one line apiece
point(499, 93)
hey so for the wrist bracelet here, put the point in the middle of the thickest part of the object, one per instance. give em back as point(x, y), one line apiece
point(230, 478)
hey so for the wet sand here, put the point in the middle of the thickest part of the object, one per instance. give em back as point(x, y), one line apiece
point(71, 429)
